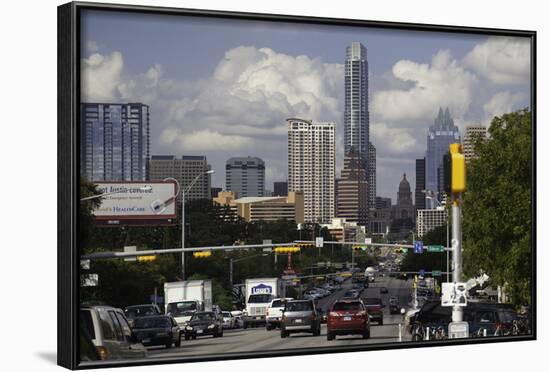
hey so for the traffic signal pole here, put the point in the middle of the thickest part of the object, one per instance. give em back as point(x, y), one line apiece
point(456, 242)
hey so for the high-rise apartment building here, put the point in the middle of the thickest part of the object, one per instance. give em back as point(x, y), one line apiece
point(440, 136)
point(473, 133)
point(352, 190)
point(245, 176)
point(114, 143)
point(420, 187)
point(312, 166)
point(185, 170)
point(356, 100)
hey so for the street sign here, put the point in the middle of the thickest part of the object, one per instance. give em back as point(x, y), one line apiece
point(418, 247)
point(435, 248)
point(130, 248)
point(89, 280)
point(458, 330)
point(319, 242)
point(454, 294)
point(368, 240)
point(436, 272)
point(85, 264)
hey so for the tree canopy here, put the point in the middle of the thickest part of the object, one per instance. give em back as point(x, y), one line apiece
point(497, 220)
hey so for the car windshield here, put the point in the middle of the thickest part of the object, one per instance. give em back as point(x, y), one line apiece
point(203, 316)
point(226, 314)
point(507, 316)
point(161, 322)
point(347, 306)
point(182, 308)
point(298, 306)
point(259, 298)
point(373, 301)
point(278, 303)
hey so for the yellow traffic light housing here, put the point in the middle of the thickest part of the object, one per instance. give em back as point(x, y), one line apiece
point(284, 250)
point(148, 258)
point(458, 168)
point(202, 254)
point(454, 169)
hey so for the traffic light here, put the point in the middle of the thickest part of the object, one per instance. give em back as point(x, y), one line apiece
point(202, 254)
point(358, 248)
point(454, 169)
point(146, 258)
point(306, 245)
point(287, 249)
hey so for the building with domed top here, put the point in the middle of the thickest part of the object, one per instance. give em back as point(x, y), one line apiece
point(403, 211)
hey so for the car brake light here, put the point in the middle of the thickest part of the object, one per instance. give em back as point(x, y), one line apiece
point(333, 313)
point(102, 351)
point(361, 313)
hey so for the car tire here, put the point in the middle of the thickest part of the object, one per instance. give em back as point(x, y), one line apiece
point(178, 342)
point(330, 336)
point(268, 327)
point(169, 345)
point(194, 337)
point(381, 322)
point(187, 337)
point(366, 334)
point(284, 334)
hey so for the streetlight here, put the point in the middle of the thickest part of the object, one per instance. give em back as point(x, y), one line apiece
point(142, 188)
point(183, 192)
point(232, 261)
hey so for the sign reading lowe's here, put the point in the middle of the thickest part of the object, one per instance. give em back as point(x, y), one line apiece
point(262, 289)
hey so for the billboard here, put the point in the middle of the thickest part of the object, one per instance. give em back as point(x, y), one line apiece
point(136, 203)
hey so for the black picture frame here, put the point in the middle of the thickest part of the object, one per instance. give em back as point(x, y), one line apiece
point(68, 173)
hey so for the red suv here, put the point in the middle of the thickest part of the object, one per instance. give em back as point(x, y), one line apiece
point(348, 317)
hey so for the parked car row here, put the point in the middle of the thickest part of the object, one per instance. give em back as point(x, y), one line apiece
point(320, 291)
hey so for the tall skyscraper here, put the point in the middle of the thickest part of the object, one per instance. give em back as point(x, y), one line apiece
point(356, 100)
point(371, 176)
point(312, 166)
point(440, 136)
point(245, 176)
point(352, 190)
point(419, 194)
point(280, 188)
point(185, 170)
point(473, 133)
point(114, 141)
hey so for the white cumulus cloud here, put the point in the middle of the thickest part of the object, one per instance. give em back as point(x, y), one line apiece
point(443, 83)
point(504, 102)
point(502, 60)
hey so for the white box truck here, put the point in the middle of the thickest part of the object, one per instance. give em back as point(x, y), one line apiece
point(258, 296)
point(185, 298)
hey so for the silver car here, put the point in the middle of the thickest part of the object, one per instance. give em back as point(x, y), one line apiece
point(110, 333)
point(300, 316)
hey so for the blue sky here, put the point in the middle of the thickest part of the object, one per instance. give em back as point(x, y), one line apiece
point(224, 87)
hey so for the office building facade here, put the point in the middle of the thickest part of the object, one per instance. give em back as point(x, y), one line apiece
point(440, 136)
point(420, 187)
point(245, 176)
point(185, 169)
point(280, 188)
point(473, 133)
point(312, 166)
point(352, 190)
point(114, 143)
point(429, 219)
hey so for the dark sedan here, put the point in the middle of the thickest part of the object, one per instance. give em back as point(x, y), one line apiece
point(157, 330)
point(204, 323)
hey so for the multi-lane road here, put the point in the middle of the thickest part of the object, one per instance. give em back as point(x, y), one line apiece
point(259, 339)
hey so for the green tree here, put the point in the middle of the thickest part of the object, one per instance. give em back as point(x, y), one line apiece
point(497, 206)
point(428, 261)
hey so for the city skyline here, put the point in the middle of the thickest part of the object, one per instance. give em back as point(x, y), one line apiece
point(231, 95)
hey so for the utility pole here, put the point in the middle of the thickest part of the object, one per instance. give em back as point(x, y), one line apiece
point(457, 250)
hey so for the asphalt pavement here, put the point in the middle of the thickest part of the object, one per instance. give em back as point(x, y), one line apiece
point(259, 339)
